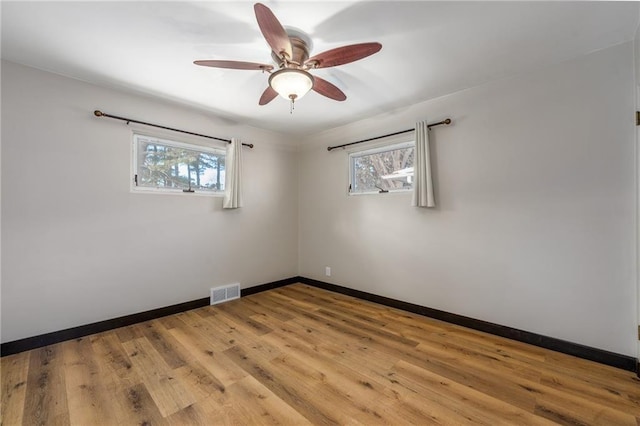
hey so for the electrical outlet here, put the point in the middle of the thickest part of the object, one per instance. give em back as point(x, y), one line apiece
point(327, 271)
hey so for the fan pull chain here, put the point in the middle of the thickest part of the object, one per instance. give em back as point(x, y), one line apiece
point(292, 105)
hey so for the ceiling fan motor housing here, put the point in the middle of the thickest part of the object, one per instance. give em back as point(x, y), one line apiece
point(300, 52)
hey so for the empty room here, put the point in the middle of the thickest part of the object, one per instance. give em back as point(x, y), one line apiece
point(319, 212)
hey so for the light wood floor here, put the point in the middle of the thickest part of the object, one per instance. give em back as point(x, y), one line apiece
point(299, 355)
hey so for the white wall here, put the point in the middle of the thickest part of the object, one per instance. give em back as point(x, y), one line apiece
point(535, 224)
point(79, 247)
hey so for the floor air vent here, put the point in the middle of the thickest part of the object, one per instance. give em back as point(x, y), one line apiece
point(225, 293)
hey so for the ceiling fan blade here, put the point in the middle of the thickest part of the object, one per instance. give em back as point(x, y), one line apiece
point(273, 31)
point(267, 96)
point(327, 89)
point(236, 65)
point(343, 55)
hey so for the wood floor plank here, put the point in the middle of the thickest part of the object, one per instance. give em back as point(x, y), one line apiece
point(286, 300)
point(190, 415)
point(209, 332)
point(199, 381)
point(368, 311)
point(221, 330)
point(169, 349)
point(477, 406)
point(618, 399)
point(371, 329)
point(218, 365)
point(341, 386)
point(46, 396)
point(172, 321)
point(302, 355)
point(262, 307)
point(14, 370)
point(265, 407)
point(296, 386)
point(129, 333)
point(521, 391)
point(593, 371)
point(238, 311)
point(209, 412)
point(482, 355)
point(576, 415)
point(87, 394)
point(135, 405)
point(233, 330)
point(112, 357)
point(168, 394)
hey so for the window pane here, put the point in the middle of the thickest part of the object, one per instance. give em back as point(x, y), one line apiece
point(387, 170)
point(161, 164)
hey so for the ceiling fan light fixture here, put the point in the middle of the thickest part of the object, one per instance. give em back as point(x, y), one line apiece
point(291, 83)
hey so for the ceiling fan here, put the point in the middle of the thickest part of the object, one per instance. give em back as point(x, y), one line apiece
point(290, 51)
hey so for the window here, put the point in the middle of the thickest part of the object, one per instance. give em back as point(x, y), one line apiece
point(170, 166)
point(385, 169)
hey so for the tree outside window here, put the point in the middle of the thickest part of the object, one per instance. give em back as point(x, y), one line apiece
point(170, 165)
point(383, 169)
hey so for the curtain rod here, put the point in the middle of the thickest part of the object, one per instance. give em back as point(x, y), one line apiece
point(445, 122)
point(99, 113)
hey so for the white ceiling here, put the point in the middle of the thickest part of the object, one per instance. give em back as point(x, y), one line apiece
point(429, 49)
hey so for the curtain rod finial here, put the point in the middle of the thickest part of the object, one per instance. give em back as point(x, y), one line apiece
point(447, 121)
point(98, 113)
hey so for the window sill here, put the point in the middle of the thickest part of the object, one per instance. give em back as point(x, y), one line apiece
point(152, 191)
point(394, 191)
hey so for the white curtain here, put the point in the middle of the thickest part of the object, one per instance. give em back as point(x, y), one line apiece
point(422, 181)
point(233, 176)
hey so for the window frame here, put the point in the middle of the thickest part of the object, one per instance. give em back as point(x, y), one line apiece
point(391, 146)
point(181, 144)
